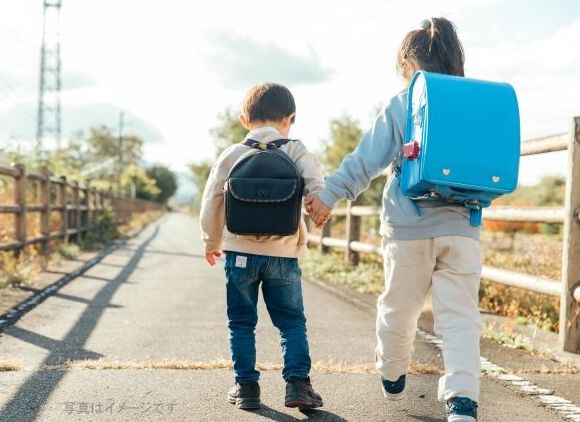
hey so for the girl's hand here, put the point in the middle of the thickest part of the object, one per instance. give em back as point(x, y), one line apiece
point(318, 212)
point(210, 257)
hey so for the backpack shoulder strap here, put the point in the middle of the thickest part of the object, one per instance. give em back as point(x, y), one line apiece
point(265, 145)
point(280, 142)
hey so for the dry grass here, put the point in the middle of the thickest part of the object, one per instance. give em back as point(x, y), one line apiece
point(177, 363)
point(138, 221)
point(24, 269)
point(328, 367)
point(367, 277)
point(21, 270)
point(6, 366)
point(537, 254)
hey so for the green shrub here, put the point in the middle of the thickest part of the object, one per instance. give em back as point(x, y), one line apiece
point(550, 228)
point(69, 250)
point(101, 232)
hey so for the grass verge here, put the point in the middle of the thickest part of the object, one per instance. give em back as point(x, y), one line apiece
point(22, 270)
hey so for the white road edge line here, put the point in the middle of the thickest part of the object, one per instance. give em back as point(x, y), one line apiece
point(565, 408)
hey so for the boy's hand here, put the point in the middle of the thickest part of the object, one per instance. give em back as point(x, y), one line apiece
point(319, 213)
point(211, 256)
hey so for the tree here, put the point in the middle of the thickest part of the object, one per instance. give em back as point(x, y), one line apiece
point(228, 131)
point(136, 180)
point(345, 134)
point(549, 191)
point(165, 182)
point(70, 160)
point(103, 144)
point(200, 172)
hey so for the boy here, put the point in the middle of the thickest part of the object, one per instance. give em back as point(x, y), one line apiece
point(268, 112)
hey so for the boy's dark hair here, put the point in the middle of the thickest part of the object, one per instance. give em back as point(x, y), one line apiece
point(268, 102)
point(435, 47)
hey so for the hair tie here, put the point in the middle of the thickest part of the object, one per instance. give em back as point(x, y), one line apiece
point(426, 24)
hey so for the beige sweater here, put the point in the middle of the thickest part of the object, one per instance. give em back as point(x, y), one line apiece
point(212, 217)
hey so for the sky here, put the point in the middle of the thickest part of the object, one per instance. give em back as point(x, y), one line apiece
point(173, 66)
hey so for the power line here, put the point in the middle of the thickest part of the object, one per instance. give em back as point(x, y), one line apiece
point(120, 151)
point(49, 109)
point(11, 96)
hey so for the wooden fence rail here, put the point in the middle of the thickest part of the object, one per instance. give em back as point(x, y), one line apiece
point(568, 288)
point(78, 207)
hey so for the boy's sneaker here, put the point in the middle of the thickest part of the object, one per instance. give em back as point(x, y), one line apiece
point(461, 409)
point(300, 394)
point(245, 396)
point(394, 390)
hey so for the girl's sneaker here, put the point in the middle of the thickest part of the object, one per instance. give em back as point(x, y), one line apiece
point(461, 409)
point(394, 390)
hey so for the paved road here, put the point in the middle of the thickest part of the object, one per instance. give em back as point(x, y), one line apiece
point(154, 302)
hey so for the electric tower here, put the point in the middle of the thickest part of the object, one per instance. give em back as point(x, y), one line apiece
point(49, 116)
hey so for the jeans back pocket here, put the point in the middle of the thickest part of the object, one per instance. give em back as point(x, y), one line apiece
point(239, 267)
point(290, 270)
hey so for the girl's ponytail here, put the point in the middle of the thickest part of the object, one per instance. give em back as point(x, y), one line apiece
point(435, 47)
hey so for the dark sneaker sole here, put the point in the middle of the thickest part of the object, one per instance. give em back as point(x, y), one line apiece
point(245, 403)
point(303, 404)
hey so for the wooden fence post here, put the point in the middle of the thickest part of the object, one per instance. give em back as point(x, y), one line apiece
point(20, 200)
point(112, 204)
point(325, 232)
point(352, 234)
point(569, 307)
point(89, 198)
point(102, 203)
point(45, 216)
point(77, 209)
point(62, 189)
point(307, 222)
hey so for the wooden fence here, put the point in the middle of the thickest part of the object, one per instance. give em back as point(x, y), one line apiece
point(568, 289)
point(78, 207)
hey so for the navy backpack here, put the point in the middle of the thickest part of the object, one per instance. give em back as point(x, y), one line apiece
point(263, 191)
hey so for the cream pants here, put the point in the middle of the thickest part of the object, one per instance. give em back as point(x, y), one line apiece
point(450, 266)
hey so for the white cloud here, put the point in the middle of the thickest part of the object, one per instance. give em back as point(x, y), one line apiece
point(242, 61)
point(150, 60)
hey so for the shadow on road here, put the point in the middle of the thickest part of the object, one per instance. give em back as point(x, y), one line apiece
point(28, 400)
point(426, 418)
point(188, 255)
point(311, 415)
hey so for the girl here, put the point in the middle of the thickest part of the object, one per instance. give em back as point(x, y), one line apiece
point(435, 249)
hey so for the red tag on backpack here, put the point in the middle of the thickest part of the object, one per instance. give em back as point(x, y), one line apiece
point(411, 150)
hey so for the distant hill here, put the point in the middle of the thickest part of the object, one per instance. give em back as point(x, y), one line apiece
point(74, 118)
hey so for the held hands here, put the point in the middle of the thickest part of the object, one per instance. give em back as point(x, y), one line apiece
point(318, 212)
point(210, 257)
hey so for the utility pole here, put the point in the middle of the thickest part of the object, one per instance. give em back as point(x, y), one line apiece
point(120, 152)
point(49, 110)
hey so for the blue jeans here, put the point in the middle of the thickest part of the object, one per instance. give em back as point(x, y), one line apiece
point(282, 291)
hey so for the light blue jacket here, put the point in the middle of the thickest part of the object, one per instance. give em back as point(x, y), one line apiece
point(401, 218)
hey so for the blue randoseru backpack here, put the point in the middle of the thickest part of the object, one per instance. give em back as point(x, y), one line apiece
point(462, 141)
point(263, 191)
